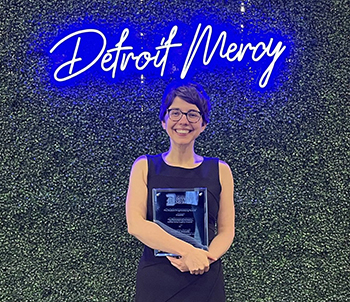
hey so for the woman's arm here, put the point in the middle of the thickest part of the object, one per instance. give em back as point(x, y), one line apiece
point(149, 232)
point(226, 216)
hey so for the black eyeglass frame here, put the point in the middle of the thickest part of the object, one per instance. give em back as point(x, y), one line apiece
point(185, 113)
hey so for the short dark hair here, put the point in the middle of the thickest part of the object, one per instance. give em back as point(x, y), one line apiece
point(190, 92)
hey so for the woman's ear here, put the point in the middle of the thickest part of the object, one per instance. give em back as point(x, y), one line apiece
point(163, 125)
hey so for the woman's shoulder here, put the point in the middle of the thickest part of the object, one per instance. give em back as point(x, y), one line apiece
point(225, 171)
point(223, 166)
point(141, 159)
point(139, 164)
point(146, 159)
point(214, 160)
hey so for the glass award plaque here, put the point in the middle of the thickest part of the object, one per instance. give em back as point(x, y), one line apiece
point(182, 213)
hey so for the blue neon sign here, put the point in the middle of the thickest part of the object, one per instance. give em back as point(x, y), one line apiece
point(88, 49)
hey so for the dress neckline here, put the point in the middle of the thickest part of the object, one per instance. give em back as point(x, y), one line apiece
point(179, 167)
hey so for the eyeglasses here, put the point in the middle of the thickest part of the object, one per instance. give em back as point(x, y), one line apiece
point(192, 116)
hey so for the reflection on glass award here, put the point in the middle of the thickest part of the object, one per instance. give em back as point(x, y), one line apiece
point(182, 213)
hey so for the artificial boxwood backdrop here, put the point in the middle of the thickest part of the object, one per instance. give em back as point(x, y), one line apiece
point(66, 152)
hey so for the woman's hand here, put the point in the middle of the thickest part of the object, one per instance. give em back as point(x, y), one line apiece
point(197, 261)
point(178, 263)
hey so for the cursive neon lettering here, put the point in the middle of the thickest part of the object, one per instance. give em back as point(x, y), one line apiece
point(265, 49)
point(141, 61)
point(276, 53)
point(118, 49)
point(125, 60)
point(167, 45)
point(242, 50)
point(122, 55)
point(230, 49)
point(75, 59)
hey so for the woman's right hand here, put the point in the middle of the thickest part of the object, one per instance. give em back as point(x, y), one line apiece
point(197, 261)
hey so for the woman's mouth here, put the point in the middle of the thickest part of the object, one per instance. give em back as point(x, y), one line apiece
point(182, 131)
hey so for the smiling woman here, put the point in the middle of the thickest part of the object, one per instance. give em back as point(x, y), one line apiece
point(181, 130)
point(196, 273)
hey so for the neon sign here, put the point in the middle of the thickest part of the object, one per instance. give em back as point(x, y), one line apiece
point(124, 55)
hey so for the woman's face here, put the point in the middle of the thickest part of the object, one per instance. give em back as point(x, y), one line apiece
point(183, 132)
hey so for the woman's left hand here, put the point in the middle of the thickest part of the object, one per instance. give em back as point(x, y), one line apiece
point(178, 263)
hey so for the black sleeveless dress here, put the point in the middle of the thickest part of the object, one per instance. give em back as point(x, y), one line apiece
point(157, 280)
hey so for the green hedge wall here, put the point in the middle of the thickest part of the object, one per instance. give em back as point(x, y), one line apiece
point(66, 152)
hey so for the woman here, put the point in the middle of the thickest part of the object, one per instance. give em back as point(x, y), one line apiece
point(197, 274)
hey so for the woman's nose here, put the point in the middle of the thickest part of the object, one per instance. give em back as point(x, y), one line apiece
point(183, 119)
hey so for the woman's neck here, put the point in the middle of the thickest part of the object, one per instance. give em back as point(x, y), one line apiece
point(183, 157)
